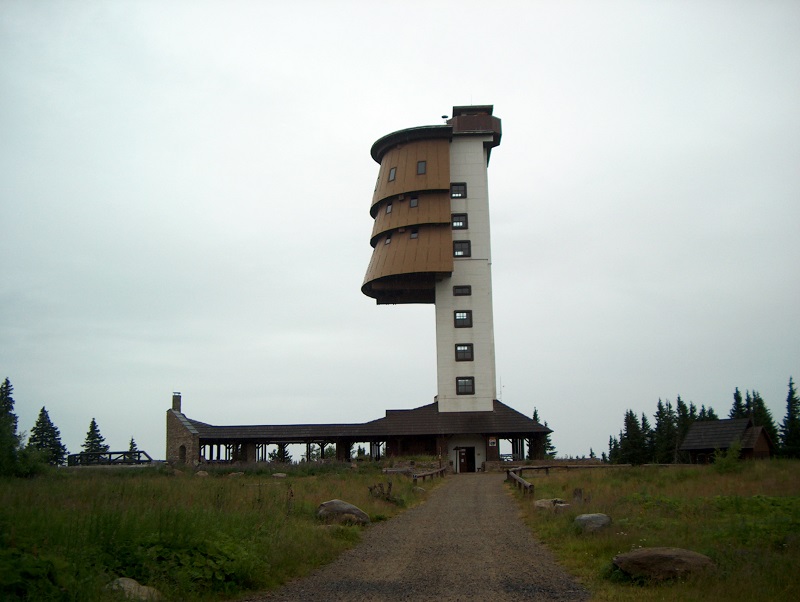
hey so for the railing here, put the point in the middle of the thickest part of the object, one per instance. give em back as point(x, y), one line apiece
point(108, 458)
point(431, 473)
point(519, 482)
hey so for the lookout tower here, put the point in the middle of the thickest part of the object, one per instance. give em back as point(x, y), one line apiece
point(431, 244)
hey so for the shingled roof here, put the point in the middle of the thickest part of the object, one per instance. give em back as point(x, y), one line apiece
point(716, 434)
point(425, 420)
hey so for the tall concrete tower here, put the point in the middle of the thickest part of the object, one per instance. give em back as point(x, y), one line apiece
point(431, 244)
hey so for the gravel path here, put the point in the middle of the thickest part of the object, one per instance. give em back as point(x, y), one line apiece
point(466, 542)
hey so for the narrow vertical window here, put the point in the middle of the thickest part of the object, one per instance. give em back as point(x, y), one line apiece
point(422, 168)
point(459, 221)
point(392, 174)
point(388, 239)
point(414, 233)
point(413, 201)
point(458, 190)
point(462, 248)
point(462, 318)
point(465, 385)
point(388, 207)
point(464, 352)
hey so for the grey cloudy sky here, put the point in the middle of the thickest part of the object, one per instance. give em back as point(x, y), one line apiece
point(184, 194)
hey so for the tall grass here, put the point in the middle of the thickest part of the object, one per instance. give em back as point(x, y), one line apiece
point(65, 535)
point(747, 520)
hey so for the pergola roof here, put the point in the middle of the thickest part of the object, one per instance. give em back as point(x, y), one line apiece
point(503, 421)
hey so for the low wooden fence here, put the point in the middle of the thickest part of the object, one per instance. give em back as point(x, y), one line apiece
point(548, 468)
point(519, 482)
point(439, 472)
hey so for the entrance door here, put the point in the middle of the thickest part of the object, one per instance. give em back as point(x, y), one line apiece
point(466, 459)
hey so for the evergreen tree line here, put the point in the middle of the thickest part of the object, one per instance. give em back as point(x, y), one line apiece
point(641, 443)
point(44, 446)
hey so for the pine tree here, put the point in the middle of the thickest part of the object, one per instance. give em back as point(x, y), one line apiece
point(94, 442)
point(790, 427)
point(46, 437)
point(549, 448)
point(649, 443)
point(537, 446)
point(9, 440)
point(737, 410)
point(763, 417)
point(613, 449)
point(707, 414)
point(664, 434)
point(132, 447)
point(684, 417)
point(632, 441)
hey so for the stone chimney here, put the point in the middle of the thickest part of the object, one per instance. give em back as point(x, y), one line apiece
point(176, 401)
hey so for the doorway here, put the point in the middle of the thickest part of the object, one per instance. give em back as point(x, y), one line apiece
point(466, 459)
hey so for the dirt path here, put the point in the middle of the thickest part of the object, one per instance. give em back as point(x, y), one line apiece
point(465, 543)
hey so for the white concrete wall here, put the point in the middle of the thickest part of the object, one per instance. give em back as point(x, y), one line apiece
point(475, 441)
point(468, 164)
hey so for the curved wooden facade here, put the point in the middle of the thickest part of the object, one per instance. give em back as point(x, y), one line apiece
point(411, 237)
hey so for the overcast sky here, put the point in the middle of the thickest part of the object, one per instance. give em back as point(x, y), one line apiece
point(185, 191)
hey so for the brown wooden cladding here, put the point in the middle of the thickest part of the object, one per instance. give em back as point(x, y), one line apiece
point(432, 208)
point(428, 254)
point(404, 158)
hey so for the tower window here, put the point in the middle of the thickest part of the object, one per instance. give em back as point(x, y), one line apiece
point(414, 233)
point(464, 352)
point(388, 239)
point(458, 190)
point(422, 168)
point(393, 173)
point(462, 291)
point(462, 248)
point(413, 201)
point(388, 208)
point(459, 221)
point(465, 385)
point(462, 318)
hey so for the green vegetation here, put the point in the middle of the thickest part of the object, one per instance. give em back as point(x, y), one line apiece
point(67, 534)
point(94, 442)
point(46, 437)
point(744, 515)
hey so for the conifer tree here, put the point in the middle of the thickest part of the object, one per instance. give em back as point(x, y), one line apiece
point(549, 448)
point(632, 441)
point(737, 410)
point(763, 417)
point(790, 427)
point(9, 440)
point(649, 443)
point(684, 417)
point(707, 414)
point(94, 442)
point(132, 447)
point(613, 449)
point(46, 437)
point(664, 434)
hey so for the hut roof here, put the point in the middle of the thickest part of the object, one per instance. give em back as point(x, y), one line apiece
point(716, 434)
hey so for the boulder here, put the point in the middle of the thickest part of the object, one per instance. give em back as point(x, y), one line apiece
point(589, 523)
point(279, 475)
point(342, 512)
point(201, 473)
point(235, 475)
point(420, 490)
point(660, 564)
point(133, 590)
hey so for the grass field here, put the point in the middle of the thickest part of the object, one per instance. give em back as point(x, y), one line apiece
point(67, 534)
point(745, 516)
